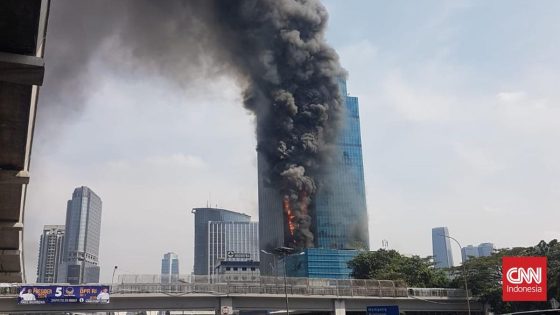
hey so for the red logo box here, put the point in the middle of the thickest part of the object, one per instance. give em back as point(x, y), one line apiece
point(524, 278)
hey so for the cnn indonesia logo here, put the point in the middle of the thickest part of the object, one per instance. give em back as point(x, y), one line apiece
point(524, 278)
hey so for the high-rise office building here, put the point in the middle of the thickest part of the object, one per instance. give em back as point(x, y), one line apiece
point(170, 268)
point(232, 241)
point(485, 249)
point(340, 203)
point(441, 247)
point(202, 219)
point(50, 253)
point(81, 242)
point(469, 252)
point(482, 250)
point(339, 213)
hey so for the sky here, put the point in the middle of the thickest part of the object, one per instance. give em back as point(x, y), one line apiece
point(458, 109)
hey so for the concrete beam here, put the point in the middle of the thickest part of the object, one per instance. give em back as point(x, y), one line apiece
point(209, 301)
point(10, 252)
point(18, 226)
point(13, 177)
point(21, 69)
point(11, 277)
point(10, 261)
point(8, 304)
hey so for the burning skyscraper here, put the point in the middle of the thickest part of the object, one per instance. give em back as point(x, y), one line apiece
point(277, 53)
point(338, 213)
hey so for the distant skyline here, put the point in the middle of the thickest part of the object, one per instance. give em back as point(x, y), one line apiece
point(482, 250)
point(459, 115)
point(170, 268)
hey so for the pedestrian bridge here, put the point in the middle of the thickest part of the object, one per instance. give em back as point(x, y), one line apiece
point(195, 293)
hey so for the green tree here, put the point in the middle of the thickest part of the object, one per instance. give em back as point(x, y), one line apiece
point(484, 276)
point(391, 265)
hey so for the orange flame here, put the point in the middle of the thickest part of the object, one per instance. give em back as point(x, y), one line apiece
point(289, 214)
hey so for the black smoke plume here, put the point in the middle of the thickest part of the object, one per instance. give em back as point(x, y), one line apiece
point(292, 88)
point(276, 48)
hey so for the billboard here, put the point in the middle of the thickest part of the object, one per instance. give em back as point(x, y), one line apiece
point(38, 294)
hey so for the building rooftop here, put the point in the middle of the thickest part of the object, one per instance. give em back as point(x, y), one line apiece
point(194, 210)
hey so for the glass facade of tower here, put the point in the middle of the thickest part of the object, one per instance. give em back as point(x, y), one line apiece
point(232, 241)
point(340, 204)
point(340, 222)
point(469, 252)
point(485, 249)
point(81, 242)
point(202, 219)
point(170, 268)
point(50, 253)
point(441, 247)
point(320, 263)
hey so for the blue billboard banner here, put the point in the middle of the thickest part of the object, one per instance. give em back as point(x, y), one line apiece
point(383, 310)
point(38, 294)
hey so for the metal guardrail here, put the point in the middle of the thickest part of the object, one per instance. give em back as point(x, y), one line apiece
point(249, 278)
point(248, 284)
point(252, 284)
point(438, 292)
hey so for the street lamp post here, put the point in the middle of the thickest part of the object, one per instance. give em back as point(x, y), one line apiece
point(464, 272)
point(286, 286)
point(113, 277)
point(284, 252)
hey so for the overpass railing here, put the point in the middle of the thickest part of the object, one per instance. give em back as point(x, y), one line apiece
point(252, 284)
point(248, 284)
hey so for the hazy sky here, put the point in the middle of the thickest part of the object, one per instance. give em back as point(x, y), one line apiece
point(459, 111)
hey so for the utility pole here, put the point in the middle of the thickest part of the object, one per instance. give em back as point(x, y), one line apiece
point(464, 272)
point(284, 252)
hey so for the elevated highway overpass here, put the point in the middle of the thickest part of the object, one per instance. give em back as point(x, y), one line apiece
point(260, 294)
point(22, 38)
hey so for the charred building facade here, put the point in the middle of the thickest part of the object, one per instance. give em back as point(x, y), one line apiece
point(338, 209)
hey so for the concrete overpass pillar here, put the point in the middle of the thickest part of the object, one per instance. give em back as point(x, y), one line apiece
point(226, 306)
point(339, 307)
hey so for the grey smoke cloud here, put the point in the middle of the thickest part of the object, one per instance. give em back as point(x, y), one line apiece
point(279, 46)
point(275, 48)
